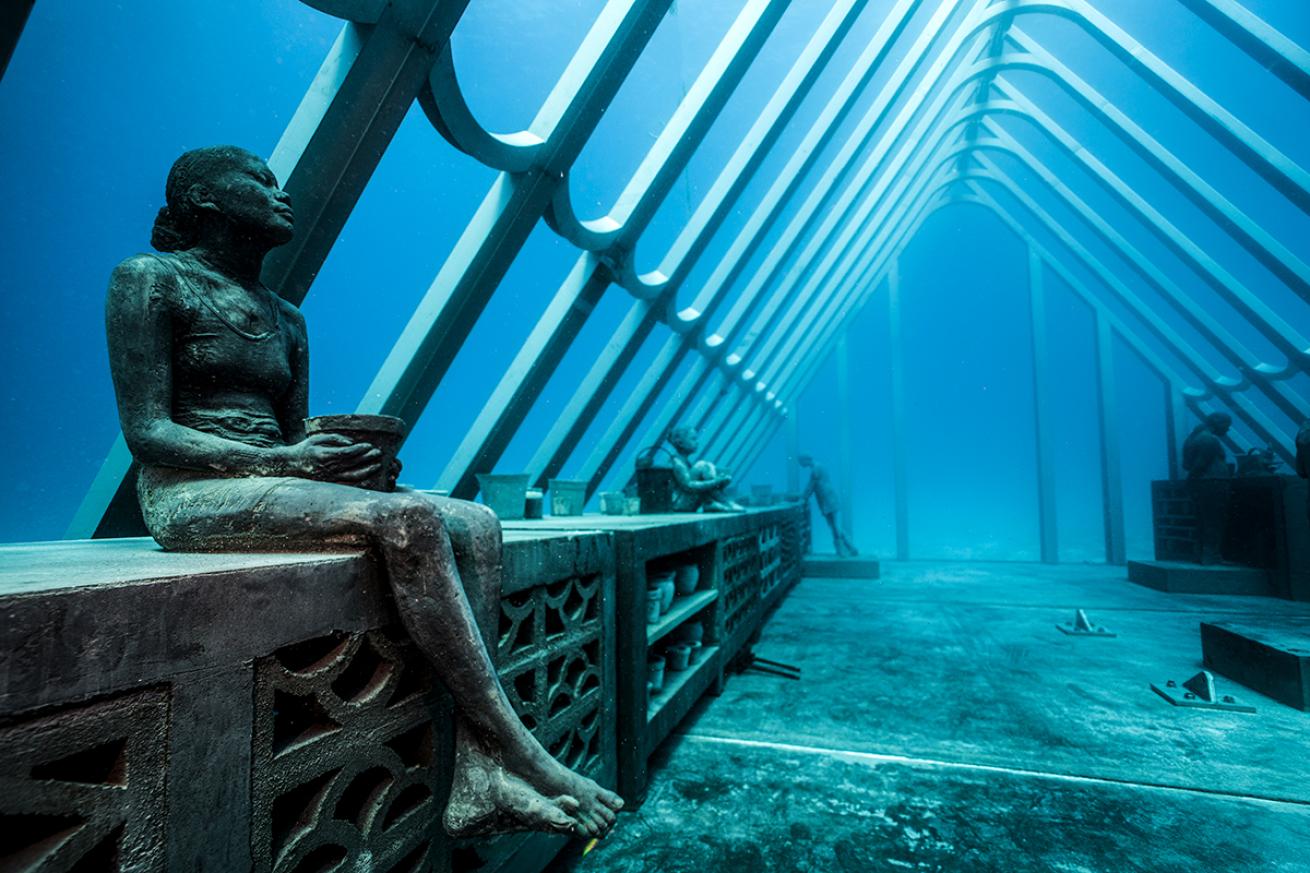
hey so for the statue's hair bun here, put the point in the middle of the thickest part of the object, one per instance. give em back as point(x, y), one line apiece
point(165, 236)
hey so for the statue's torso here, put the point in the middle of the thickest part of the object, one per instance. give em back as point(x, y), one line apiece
point(226, 380)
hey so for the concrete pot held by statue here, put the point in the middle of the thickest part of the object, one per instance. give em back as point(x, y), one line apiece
point(383, 432)
point(505, 493)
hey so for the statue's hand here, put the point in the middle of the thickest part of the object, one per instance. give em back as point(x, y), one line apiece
point(334, 458)
point(725, 479)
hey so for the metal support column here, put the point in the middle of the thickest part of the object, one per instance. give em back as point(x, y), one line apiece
point(793, 452)
point(846, 459)
point(1112, 499)
point(899, 437)
point(1041, 414)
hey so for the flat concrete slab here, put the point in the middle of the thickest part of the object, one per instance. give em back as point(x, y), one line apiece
point(836, 567)
point(1180, 578)
point(734, 807)
point(943, 723)
point(1274, 660)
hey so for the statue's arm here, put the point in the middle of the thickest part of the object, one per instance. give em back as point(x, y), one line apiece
point(294, 408)
point(682, 475)
point(138, 320)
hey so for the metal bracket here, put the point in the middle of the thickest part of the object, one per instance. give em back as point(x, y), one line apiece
point(1199, 692)
point(1082, 626)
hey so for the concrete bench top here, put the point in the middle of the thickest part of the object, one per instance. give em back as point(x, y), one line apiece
point(31, 568)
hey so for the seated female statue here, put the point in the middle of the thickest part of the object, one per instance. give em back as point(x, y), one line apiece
point(211, 374)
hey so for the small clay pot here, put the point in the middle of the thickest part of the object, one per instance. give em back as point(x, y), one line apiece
point(679, 656)
point(692, 632)
point(613, 502)
point(664, 582)
point(685, 578)
point(534, 504)
point(505, 493)
point(655, 674)
point(632, 506)
point(696, 650)
point(383, 432)
point(654, 604)
point(568, 496)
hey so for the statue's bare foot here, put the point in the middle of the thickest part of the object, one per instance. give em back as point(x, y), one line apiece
point(485, 799)
point(596, 805)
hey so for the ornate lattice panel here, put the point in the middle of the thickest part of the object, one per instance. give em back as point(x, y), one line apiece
point(549, 655)
point(347, 756)
point(741, 583)
point(83, 789)
point(771, 559)
point(1176, 537)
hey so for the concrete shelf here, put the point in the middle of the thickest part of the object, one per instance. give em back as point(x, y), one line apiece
point(684, 608)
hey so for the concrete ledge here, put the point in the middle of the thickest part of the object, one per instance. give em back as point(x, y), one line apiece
point(834, 567)
point(1275, 663)
point(1179, 578)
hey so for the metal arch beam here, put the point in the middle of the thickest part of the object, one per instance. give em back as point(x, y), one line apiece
point(1141, 309)
point(1272, 326)
point(616, 232)
point(1154, 324)
point(513, 397)
point(815, 142)
point(1276, 168)
point(573, 303)
point(1264, 44)
point(861, 137)
point(508, 213)
point(1262, 376)
point(13, 18)
point(1276, 257)
point(722, 196)
point(806, 261)
point(608, 369)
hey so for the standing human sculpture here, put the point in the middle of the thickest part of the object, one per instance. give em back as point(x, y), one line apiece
point(820, 487)
point(1208, 479)
point(210, 369)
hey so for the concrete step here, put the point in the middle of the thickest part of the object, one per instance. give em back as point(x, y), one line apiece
point(1179, 578)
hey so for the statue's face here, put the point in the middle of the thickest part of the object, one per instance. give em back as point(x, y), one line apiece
point(685, 441)
point(248, 195)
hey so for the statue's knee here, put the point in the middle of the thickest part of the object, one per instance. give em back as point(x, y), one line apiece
point(403, 519)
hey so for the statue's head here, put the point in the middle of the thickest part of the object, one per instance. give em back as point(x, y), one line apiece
point(222, 187)
point(805, 461)
point(685, 438)
point(1218, 423)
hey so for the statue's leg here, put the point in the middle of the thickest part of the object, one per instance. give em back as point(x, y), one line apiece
point(504, 779)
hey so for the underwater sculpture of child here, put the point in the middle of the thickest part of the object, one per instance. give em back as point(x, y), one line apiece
point(699, 484)
point(210, 372)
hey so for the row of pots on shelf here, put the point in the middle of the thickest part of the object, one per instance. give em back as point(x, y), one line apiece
point(510, 498)
point(677, 656)
point(663, 585)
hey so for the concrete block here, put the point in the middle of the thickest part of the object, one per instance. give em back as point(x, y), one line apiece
point(834, 567)
point(1179, 578)
point(1274, 662)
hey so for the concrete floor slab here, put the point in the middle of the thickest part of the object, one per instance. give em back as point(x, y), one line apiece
point(757, 809)
point(943, 723)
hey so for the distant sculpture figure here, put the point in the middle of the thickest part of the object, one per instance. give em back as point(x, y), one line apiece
point(698, 485)
point(820, 487)
point(211, 373)
point(1208, 477)
point(1303, 458)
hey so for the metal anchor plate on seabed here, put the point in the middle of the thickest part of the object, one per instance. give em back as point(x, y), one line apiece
point(1082, 626)
point(1199, 691)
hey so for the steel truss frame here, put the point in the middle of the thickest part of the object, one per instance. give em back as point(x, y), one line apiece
point(925, 141)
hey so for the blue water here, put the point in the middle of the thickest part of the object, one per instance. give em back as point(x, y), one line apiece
point(100, 97)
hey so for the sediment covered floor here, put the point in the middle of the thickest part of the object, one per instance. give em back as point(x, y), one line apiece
point(944, 724)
